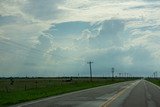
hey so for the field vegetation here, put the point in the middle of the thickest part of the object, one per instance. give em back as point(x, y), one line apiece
point(17, 90)
point(154, 80)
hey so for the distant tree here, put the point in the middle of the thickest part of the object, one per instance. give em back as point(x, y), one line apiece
point(11, 81)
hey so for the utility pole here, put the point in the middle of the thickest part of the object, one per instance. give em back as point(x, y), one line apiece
point(112, 73)
point(90, 67)
point(127, 75)
point(119, 75)
point(154, 74)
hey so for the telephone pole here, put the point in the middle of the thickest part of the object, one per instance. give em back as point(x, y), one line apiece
point(90, 66)
point(154, 74)
point(119, 74)
point(112, 73)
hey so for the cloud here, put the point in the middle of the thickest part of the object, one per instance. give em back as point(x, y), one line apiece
point(7, 20)
point(11, 8)
point(110, 33)
point(43, 10)
point(41, 36)
point(67, 28)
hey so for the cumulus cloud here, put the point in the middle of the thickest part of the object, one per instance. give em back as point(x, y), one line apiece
point(41, 36)
point(43, 9)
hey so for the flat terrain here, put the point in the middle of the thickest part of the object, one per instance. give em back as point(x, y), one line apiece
point(144, 94)
point(87, 98)
point(140, 93)
point(154, 80)
point(17, 90)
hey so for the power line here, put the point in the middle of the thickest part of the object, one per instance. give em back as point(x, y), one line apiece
point(26, 48)
point(21, 46)
point(26, 52)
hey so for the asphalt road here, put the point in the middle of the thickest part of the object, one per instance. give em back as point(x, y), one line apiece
point(126, 94)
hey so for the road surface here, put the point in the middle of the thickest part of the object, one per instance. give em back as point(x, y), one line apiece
point(138, 93)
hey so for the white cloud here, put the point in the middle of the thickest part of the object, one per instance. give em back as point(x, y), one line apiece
point(53, 32)
point(127, 60)
point(43, 10)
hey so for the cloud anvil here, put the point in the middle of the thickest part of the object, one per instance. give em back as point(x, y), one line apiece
point(58, 37)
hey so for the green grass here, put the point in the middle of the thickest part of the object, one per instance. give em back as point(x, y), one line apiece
point(155, 81)
point(25, 90)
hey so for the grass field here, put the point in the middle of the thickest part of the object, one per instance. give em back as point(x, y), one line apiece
point(18, 90)
point(155, 81)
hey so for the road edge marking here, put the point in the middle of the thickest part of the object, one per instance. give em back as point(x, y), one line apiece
point(153, 84)
point(108, 102)
point(61, 95)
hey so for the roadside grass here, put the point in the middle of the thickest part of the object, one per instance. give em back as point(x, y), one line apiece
point(30, 89)
point(154, 80)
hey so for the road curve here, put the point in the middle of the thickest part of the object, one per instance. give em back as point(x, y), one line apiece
point(138, 93)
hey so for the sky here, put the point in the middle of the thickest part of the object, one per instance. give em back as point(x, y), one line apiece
point(58, 37)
